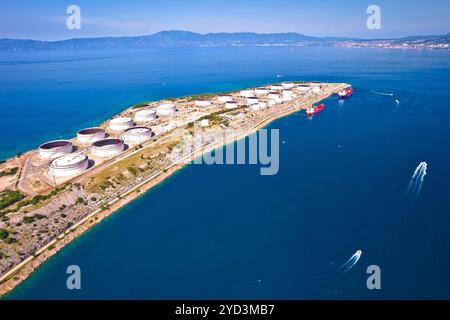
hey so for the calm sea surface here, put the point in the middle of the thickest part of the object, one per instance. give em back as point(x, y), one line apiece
point(227, 232)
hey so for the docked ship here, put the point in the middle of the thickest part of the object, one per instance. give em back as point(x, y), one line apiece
point(346, 92)
point(311, 111)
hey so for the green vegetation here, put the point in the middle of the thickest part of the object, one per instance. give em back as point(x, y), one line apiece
point(38, 198)
point(140, 105)
point(207, 95)
point(132, 169)
point(215, 117)
point(8, 197)
point(10, 240)
point(3, 234)
point(9, 172)
point(33, 218)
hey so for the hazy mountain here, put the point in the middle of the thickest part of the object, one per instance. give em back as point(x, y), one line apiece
point(185, 38)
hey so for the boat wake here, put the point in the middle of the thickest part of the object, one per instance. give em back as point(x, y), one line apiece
point(383, 93)
point(415, 185)
point(348, 265)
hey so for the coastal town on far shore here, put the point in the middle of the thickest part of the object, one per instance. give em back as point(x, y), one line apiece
point(50, 195)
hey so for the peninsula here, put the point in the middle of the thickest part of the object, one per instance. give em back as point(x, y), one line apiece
point(51, 195)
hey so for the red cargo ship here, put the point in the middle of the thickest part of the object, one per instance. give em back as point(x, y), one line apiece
point(346, 92)
point(315, 109)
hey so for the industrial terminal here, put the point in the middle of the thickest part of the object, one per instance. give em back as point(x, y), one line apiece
point(74, 180)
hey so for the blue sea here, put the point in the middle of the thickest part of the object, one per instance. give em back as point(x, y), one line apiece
point(345, 181)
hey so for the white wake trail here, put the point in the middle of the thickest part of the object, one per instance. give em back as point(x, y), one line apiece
point(383, 93)
point(349, 264)
point(415, 185)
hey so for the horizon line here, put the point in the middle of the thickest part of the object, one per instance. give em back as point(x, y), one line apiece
point(223, 32)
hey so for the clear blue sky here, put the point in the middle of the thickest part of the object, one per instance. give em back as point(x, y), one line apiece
point(45, 19)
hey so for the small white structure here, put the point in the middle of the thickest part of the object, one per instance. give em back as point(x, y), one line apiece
point(247, 93)
point(262, 105)
point(119, 124)
point(166, 109)
point(272, 103)
point(224, 98)
point(276, 87)
point(254, 107)
point(204, 123)
point(55, 149)
point(316, 90)
point(252, 100)
point(262, 91)
point(288, 85)
point(69, 165)
point(90, 135)
point(231, 105)
point(274, 95)
point(107, 147)
point(145, 116)
point(315, 84)
point(303, 88)
point(203, 103)
point(137, 134)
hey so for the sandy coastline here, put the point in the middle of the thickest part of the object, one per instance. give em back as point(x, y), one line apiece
point(22, 271)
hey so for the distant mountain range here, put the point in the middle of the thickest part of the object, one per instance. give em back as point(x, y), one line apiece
point(190, 39)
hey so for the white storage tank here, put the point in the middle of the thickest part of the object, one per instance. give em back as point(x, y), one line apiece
point(203, 103)
point(145, 116)
point(137, 134)
point(107, 147)
point(303, 88)
point(55, 149)
point(276, 87)
point(224, 98)
point(231, 105)
point(274, 95)
point(288, 85)
point(247, 93)
point(90, 135)
point(69, 165)
point(166, 109)
point(262, 91)
point(119, 124)
point(252, 100)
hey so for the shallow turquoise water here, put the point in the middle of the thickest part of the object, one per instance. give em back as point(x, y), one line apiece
point(227, 232)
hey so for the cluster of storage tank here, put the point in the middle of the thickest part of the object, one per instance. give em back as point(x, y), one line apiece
point(66, 163)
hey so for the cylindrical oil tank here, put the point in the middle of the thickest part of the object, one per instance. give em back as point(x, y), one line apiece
point(145, 115)
point(166, 109)
point(203, 103)
point(55, 149)
point(224, 98)
point(107, 147)
point(231, 105)
point(69, 165)
point(137, 135)
point(119, 124)
point(90, 135)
